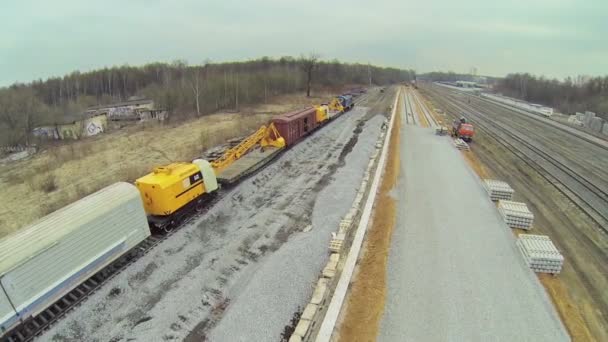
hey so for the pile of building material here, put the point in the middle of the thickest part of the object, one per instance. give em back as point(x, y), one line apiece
point(441, 130)
point(516, 214)
point(219, 150)
point(336, 242)
point(540, 253)
point(590, 121)
point(461, 144)
point(498, 190)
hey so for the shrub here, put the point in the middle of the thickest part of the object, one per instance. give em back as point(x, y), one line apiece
point(48, 183)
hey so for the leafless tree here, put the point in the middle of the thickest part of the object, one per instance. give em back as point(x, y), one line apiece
point(309, 64)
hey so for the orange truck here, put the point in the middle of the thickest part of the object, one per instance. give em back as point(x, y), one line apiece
point(462, 130)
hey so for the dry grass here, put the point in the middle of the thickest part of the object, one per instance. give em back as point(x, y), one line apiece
point(476, 165)
point(65, 173)
point(569, 311)
point(365, 302)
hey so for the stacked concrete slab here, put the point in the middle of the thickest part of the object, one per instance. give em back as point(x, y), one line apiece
point(516, 214)
point(498, 190)
point(540, 253)
point(461, 144)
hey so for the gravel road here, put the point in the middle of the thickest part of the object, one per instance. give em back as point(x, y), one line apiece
point(245, 266)
point(454, 273)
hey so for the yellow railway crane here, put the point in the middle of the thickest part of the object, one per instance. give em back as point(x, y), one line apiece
point(336, 106)
point(265, 136)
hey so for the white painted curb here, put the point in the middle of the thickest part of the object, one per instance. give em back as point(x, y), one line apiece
point(333, 311)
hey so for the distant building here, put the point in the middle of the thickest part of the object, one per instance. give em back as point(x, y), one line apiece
point(466, 84)
point(131, 110)
point(73, 127)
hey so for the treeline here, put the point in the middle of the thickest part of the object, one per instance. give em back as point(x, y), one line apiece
point(184, 90)
point(567, 96)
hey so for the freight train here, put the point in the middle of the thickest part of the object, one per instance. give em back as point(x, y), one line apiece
point(44, 262)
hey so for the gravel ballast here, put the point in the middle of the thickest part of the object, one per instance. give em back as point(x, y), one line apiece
point(454, 271)
point(246, 265)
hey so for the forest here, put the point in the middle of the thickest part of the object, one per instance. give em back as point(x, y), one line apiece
point(568, 96)
point(184, 90)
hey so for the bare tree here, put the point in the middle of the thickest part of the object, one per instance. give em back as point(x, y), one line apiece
point(20, 112)
point(196, 84)
point(196, 89)
point(308, 65)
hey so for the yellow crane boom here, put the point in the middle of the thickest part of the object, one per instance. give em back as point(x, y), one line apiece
point(265, 136)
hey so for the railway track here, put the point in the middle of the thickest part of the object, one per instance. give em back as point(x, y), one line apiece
point(587, 195)
point(410, 117)
point(38, 324)
point(425, 111)
point(555, 141)
point(43, 321)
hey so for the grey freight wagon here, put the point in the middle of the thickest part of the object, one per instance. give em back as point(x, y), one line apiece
point(42, 262)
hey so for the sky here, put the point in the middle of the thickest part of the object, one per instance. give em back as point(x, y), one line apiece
point(554, 38)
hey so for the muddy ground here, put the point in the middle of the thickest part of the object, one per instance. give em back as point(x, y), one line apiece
point(240, 271)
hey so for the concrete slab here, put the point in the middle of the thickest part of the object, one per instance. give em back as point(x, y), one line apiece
point(319, 294)
point(454, 271)
point(309, 312)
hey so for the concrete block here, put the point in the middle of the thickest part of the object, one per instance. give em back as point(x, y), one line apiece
point(302, 327)
point(295, 338)
point(358, 200)
point(574, 120)
point(345, 225)
point(595, 124)
point(605, 129)
point(336, 242)
point(588, 116)
point(364, 184)
point(318, 296)
point(332, 265)
point(309, 311)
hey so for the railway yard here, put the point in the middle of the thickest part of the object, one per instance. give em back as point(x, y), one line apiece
point(436, 257)
point(256, 248)
point(563, 178)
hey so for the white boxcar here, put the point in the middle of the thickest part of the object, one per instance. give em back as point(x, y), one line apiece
point(42, 262)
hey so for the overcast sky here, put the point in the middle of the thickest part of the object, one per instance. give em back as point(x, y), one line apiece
point(556, 38)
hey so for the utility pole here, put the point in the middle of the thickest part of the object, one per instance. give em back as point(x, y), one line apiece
point(369, 73)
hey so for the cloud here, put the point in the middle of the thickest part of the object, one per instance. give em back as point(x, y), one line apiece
point(558, 38)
